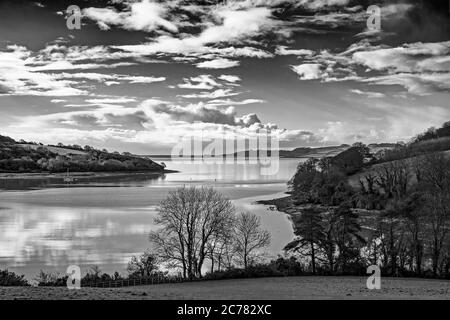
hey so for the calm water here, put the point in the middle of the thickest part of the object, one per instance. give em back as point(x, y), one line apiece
point(48, 225)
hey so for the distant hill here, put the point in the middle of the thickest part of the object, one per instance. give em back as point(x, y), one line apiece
point(22, 156)
point(318, 152)
point(308, 152)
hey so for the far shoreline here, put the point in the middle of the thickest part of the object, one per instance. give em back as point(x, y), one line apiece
point(78, 175)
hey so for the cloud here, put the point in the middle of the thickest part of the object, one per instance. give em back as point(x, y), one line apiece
point(17, 78)
point(219, 93)
point(67, 65)
point(197, 113)
point(414, 57)
point(112, 100)
point(320, 4)
point(283, 51)
point(230, 78)
point(421, 68)
point(308, 71)
point(418, 84)
point(223, 26)
point(368, 93)
point(101, 77)
point(145, 16)
point(228, 102)
point(202, 82)
point(237, 52)
point(152, 121)
point(237, 24)
point(218, 64)
point(142, 79)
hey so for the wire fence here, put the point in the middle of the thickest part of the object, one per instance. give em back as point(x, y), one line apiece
point(134, 282)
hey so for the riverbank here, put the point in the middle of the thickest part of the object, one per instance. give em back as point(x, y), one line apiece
point(289, 288)
point(80, 175)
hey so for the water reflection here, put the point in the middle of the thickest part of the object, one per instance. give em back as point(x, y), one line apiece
point(104, 222)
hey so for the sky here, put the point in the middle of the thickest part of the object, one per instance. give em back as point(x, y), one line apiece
point(140, 75)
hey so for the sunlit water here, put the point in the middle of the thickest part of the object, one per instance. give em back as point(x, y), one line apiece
point(48, 225)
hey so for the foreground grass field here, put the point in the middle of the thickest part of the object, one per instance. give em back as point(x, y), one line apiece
point(248, 289)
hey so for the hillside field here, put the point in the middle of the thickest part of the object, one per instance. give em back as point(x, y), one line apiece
point(295, 288)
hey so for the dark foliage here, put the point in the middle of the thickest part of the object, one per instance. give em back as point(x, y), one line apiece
point(8, 278)
point(280, 267)
point(33, 157)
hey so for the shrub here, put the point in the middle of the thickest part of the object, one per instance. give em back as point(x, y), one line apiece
point(8, 278)
point(280, 267)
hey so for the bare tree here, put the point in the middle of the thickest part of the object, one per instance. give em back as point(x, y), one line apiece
point(143, 266)
point(436, 180)
point(394, 178)
point(221, 252)
point(249, 237)
point(190, 219)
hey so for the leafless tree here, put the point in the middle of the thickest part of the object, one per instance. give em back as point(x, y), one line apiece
point(143, 266)
point(249, 237)
point(436, 178)
point(394, 178)
point(190, 219)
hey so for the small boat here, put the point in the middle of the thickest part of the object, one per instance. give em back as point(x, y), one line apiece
point(68, 178)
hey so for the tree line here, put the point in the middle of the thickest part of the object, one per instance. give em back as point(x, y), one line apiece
point(32, 157)
point(394, 214)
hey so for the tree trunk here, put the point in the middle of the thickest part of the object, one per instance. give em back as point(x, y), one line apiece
point(245, 261)
point(313, 258)
point(418, 259)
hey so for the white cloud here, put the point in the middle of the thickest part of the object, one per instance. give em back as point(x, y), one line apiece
point(283, 51)
point(152, 121)
point(218, 64)
point(368, 93)
point(224, 25)
point(421, 68)
point(142, 79)
point(202, 82)
point(419, 84)
point(219, 93)
point(230, 78)
point(308, 71)
point(114, 78)
point(111, 100)
point(320, 4)
point(17, 78)
point(228, 102)
point(145, 16)
point(67, 65)
point(415, 57)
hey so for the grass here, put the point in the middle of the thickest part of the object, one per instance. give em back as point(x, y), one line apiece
point(307, 287)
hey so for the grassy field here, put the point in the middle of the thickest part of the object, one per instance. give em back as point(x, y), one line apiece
point(248, 289)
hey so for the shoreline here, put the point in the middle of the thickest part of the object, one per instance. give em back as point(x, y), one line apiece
point(78, 175)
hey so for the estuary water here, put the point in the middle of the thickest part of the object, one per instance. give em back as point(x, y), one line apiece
point(50, 225)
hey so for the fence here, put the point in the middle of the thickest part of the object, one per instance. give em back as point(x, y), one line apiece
point(134, 282)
